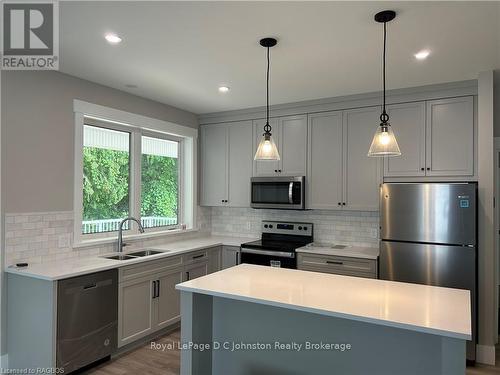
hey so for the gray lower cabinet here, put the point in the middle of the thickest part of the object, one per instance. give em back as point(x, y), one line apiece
point(135, 311)
point(230, 256)
point(195, 270)
point(147, 298)
point(347, 266)
point(147, 303)
point(168, 301)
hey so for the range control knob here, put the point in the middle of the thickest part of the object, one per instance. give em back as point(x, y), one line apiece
point(271, 226)
point(265, 225)
point(300, 228)
point(305, 228)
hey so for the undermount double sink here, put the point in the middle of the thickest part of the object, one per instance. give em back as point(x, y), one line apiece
point(135, 254)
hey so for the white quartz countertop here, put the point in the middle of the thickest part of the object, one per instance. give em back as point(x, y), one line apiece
point(347, 251)
point(421, 308)
point(83, 265)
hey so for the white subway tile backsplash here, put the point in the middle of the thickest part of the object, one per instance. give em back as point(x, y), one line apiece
point(342, 227)
point(48, 236)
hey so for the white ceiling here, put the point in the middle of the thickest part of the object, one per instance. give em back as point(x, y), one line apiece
point(180, 52)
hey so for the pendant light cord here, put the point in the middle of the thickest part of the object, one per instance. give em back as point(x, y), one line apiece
point(384, 117)
point(385, 42)
point(267, 91)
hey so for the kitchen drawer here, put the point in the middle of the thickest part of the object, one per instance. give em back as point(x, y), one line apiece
point(196, 256)
point(146, 268)
point(339, 272)
point(338, 265)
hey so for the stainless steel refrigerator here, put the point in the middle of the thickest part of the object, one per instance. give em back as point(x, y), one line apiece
point(429, 236)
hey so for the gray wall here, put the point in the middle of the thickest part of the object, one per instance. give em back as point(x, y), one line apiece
point(37, 134)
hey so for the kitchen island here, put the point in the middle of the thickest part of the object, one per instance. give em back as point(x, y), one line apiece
point(262, 320)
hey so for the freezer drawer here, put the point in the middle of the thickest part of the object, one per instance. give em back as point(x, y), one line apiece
point(437, 265)
point(87, 319)
point(431, 212)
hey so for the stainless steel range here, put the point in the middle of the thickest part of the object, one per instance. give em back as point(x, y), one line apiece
point(277, 245)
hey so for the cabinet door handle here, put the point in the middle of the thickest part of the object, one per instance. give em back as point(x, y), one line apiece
point(198, 256)
point(339, 204)
point(422, 169)
point(154, 289)
point(279, 170)
point(428, 169)
point(187, 275)
point(157, 288)
point(334, 262)
point(236, 253)
point(343, 203)
point(275, 171)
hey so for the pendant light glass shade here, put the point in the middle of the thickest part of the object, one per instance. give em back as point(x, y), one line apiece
point(267, 149)
point(384, 142)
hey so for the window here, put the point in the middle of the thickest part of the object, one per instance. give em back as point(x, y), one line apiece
point(131, 165)
point(107, 185)
point(106, 179)
point(128, 171)
point(159, 182)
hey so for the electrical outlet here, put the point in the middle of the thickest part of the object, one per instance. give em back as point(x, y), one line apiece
point(64, 240)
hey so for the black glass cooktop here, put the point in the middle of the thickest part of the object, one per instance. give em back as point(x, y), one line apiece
point(281, 243)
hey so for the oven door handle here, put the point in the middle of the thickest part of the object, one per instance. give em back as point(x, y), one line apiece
point(281, 254)
point(290, 193)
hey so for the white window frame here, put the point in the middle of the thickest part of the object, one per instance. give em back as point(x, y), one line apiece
point(137, 126)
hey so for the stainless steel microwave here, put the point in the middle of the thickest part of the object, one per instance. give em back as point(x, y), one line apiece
point(286, 193)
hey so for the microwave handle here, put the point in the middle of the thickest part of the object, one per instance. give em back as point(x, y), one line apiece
point(290, 193)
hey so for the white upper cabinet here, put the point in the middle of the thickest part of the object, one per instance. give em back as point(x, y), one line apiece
point(226, 159)
point(324, 171)
point(214, 165)
point(436, 138)
point(450, 137)
point(293, 145)
point(240, 155)
point(408, 123)
point(362, 174)
point(290, 135)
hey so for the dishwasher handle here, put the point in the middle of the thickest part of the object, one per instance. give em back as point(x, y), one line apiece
point(86, 286)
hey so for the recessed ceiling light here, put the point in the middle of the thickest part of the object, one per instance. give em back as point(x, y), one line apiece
point(422, 55)
point(223, 89)
point(112, 38)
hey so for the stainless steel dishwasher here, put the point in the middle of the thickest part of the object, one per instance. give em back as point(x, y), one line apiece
point(87, 319)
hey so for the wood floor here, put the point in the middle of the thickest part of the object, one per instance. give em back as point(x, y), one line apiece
point(146, 361)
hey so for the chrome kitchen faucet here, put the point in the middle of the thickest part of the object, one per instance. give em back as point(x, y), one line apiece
point(120, 231)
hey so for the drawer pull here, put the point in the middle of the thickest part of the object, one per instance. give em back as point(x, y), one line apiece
point(334, 262)
point(198, 256)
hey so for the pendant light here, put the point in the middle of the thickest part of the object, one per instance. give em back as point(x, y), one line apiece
point(267, 149)
point(384, 141)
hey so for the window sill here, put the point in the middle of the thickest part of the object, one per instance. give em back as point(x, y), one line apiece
point(131, 237)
